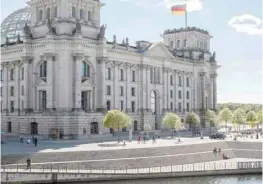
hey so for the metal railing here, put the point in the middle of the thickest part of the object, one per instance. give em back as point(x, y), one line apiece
point(84, 169)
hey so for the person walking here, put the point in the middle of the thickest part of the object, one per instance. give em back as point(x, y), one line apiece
point(35, 141)
point(28, 141)
point(28, 163)
point(21, 139)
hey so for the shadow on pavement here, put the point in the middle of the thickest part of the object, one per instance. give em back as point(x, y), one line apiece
point(111, 145)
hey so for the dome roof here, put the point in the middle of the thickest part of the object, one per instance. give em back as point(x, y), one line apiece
point(14, 23)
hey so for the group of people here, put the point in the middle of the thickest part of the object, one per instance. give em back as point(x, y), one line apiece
point(144, 139)
point(218, 151)
point(34, 140)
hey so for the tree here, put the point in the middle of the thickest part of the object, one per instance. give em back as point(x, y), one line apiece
point(260, 117)
point(172, 121)
point(147, 127)
point(211, 117)
point(225, 115)
point(239, 117)
point(252, 118)
point(116, 119)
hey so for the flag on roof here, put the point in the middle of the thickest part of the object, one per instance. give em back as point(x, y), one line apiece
point(178, 9)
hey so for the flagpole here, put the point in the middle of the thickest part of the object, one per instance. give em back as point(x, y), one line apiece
point(185, 14)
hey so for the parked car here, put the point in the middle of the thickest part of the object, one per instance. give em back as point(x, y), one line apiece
point(217, 136)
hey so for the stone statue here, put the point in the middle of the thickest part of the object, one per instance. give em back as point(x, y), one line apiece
point(114, 39)
point(6, 41)
point(213, 57)
point(102, 31)
point(123, 42)
point(78, 27)
point(51, 30)
point(201, 56)
point(27, 31)
point(18, 39)
point(127, 41)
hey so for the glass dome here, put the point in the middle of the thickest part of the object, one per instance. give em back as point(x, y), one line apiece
point(14, 24)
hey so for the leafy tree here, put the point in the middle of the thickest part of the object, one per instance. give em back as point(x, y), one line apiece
point(252, 118)
point(225, 115)
point(239, 117)
point(192, 119)
point(259, 117)
point(116, 119)
point(172, 121)
point(211, 117)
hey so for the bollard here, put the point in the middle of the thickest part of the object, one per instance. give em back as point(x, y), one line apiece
point(204, 166)
point(58, 168)
point(51, 168)
point(66, 168)
point(16, 167)
point(78, 168)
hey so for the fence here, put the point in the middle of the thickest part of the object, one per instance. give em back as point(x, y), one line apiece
point(78, 168)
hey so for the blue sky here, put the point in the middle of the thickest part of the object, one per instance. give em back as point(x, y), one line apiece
point(236, 27)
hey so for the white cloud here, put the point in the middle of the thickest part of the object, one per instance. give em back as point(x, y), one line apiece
point(192, 5)
point(247, 23)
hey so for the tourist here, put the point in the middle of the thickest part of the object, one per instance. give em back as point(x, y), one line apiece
point(124, 143)
point(28, 141)
point(35, 141)
point(219, 150)
point(154, 139)
point(139, 139)
point(144, 139)
point(28, 163)
point(215, 150)
point(21, 139)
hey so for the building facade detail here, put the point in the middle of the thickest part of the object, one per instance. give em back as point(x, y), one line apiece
point(62, 75)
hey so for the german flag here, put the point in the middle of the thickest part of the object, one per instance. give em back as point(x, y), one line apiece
point(178, 9)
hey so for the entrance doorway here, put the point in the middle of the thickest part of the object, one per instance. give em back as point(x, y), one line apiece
point(9, 127)
point(34, 128)
point(94, 128)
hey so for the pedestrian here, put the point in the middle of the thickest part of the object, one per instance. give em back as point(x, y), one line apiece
point(144, 139)
point(153, 139)
point(28, 141)
point(35, 141)
point(139, 139)
point(21, 139)
point(124, 143)
point(28, 163)
point(219, 150)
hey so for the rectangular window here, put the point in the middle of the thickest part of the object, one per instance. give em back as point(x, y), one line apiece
point(12, 106)
point(187, 82)
point(180, 80)
point(1, 75)
point(108, 73)
point(12, 91)
point(84, 100)
point(171, 106)
point(1, 106)
point(22, 90)
point(108, 105)
point(187, 107)
point(22, 105)
point(1, 91)
point(185, 41)
point(180, 107)
point(171, 43)
point(121, 105)
point(171, 93)
point(108, 90)
point(12, 74)
point(171, 80)
point(22, 73)
point(132, 91)
point(179, 94)
point(133, 106)
point(121, 91)
point(187, 95)
point(133, 76)
point(85, 69)
point(42, 100)
point(121, 75)
point(178, 43)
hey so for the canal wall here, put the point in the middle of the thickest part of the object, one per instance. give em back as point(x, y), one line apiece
point(40, 178)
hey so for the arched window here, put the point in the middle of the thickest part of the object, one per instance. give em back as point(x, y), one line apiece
point(89, 16)
point(74, 11)
point(48, 13)
point(81, 14)
point(153, 101)
point(85, 69)
point(43, 70)
point(55, 11)
point(40, 14)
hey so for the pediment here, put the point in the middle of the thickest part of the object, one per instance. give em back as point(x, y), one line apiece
point(159, 50)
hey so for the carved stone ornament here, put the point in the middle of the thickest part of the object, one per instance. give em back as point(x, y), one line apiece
point(27, 32)
point(102, 32)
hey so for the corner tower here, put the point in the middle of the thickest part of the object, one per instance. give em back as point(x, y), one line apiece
point(64, 14)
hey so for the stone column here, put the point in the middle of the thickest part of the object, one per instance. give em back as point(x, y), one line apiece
point(78, 58)
point(115, 87)
point(183, 92)
point(202, 113)
point(147, 87)
point(28, 86)
point(6, 88)
point(214, 76)
point(17, 87)
point(50, 57)
point(165, 90)
point(175, 91)
point(101, 85)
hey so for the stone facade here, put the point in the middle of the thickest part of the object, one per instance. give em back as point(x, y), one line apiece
point(65, 75)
